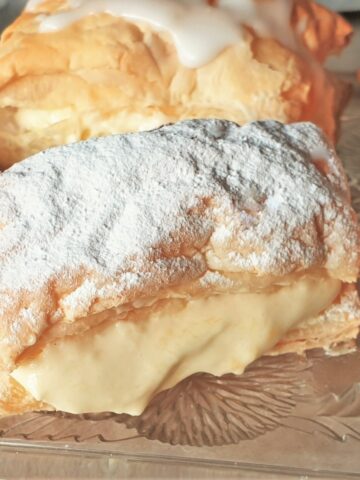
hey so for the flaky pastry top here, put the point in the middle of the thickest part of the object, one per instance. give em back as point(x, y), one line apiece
point(199, 206)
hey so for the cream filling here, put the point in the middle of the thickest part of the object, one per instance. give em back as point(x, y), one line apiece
point(95, 123)
point(121, 366)
point(36, 119)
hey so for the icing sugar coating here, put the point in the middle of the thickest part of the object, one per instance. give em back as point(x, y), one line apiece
point(250, 196)
point(200, 32)
point(128, 219)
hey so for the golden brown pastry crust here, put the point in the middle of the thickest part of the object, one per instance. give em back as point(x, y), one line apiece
point(338, 325)
point(15, 400)
point(104, 75)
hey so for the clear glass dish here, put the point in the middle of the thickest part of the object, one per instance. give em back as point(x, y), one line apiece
point(286, 416)
point(341, 5)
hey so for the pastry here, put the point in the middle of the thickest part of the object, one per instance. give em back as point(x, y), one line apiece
point(129, 262)
point(68, 75)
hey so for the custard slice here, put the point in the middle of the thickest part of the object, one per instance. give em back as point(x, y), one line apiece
point(129, 262)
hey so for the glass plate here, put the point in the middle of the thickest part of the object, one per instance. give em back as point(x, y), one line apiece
point(342, 5)
point(286, 415)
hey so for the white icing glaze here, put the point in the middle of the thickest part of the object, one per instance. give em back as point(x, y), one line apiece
point(269, 19)
point(32, 5)
point(200, 32)
point(120, 367)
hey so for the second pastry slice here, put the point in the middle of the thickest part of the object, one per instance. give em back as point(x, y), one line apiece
point(74, 70)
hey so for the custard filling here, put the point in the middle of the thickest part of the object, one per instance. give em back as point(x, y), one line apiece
point(119, 367)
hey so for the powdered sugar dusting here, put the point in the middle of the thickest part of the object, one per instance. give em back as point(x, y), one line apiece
point(143, 211)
